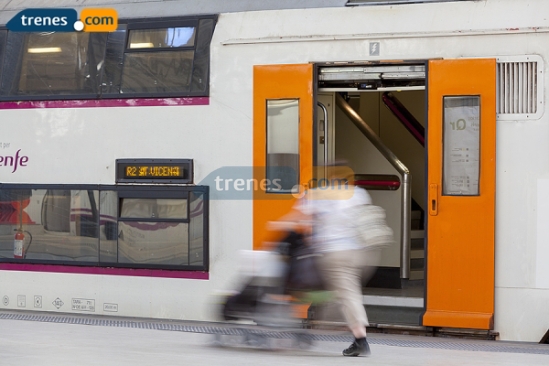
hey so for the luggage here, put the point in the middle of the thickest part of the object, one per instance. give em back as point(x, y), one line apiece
point(292, 267)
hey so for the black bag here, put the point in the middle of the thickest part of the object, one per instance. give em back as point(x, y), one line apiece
point(303, 272)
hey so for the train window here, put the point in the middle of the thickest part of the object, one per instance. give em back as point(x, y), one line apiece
point(3, 38)
point(197, 228)
point(159, 60)
point(162, 38)
point(64, 63)
point(159, 72)
point(114, 58)
point(142, 58)
point(108, 226)
point(53, 225)
point(200, 77)
point(461, 143)
point(153, 243)
point(153, 230)
point(135, 227)
point(153, 208)
point(282, 145)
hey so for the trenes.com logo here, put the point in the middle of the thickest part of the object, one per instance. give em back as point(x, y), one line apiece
point(64, 20)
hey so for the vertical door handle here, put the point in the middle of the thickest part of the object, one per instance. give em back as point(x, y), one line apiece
point(326, 137)
point(433, 199)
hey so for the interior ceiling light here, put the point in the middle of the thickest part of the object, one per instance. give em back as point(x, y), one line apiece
point(142, 45)
point(44, 50)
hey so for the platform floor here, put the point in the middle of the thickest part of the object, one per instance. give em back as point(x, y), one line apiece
point(64, 339)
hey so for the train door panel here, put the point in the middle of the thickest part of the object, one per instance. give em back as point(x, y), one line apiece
point(282, 142)
point(461, 193)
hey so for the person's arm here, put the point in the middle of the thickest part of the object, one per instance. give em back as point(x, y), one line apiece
point(295, 220)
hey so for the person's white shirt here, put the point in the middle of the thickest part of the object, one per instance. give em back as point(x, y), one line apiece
point(333, 228)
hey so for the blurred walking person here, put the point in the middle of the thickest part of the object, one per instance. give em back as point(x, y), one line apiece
point(346, 263)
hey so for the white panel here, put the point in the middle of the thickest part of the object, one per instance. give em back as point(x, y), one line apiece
point(542, 254)
point(521, 314)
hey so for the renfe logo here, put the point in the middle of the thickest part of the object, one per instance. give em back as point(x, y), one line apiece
point(14, 161)
point(64, 20)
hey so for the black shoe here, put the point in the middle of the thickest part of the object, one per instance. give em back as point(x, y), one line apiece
point(359, 346)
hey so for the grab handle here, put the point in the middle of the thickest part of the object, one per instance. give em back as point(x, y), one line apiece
point(433, 199)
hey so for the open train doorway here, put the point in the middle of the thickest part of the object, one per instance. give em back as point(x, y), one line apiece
point(373, 117)
point(438, 189)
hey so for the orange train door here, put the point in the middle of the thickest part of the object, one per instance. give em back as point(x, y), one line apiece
point(282, 147)
point(461, 193)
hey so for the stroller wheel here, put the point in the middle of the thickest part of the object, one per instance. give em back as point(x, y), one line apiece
point(218, 340)
point(256, 340)
point(303, 340)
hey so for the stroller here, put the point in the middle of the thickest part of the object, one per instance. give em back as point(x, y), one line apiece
point(276, 284)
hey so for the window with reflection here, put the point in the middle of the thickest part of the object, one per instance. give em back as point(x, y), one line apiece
point(57, 225)
point(461, 168)
point(282, 145)
point(162, 38)
point(162, 72)
point(197, 231)
point(114, 59)
point(153, 57)
point(156, 228)
point(3, 40)
point(54, 63)
point(145, 234)
point(159, 60)
point(108, 226)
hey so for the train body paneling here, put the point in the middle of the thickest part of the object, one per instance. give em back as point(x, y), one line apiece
point(80, 146)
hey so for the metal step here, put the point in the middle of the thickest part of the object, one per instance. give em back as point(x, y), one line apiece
point(380, 309)
point(417, 274)
point(394, 315)
point(417, 255)
point(395, 306)
point(415, 220)
point(417, 234)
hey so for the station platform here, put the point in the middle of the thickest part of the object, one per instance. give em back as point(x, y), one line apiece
point(30, 338)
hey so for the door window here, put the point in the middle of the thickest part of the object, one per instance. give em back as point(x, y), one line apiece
point(461, 146)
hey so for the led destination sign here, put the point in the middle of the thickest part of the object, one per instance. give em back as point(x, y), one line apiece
point(154, 170)
point(167, 171)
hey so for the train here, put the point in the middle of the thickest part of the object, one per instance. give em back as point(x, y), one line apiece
point(136, 164)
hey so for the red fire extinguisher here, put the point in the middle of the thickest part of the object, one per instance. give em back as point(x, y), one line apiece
point(18, 242)
point(18, 250)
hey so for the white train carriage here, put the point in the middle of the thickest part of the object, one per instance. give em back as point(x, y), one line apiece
point(135, 164)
